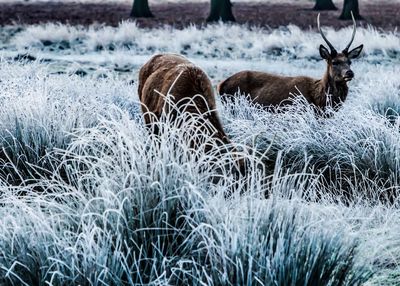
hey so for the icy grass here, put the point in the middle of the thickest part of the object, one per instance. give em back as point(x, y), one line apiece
point(89, 197)
point(136, 210)
point(119, 52)
point(39, 112)
point(209, 42)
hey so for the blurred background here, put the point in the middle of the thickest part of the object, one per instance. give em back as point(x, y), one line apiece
point(384, 14)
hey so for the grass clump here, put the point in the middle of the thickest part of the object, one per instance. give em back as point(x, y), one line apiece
point(142, 211)
point(354, 150)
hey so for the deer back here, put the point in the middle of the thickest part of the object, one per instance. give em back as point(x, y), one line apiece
point(174, 76)
point(268, 89)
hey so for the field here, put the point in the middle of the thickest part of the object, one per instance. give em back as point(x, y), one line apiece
point(89, 197)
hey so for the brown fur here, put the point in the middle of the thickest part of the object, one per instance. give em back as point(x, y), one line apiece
point(175, 75)
point(272, 90)
point(160, 73)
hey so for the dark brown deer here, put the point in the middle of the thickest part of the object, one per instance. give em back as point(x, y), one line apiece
point(272, 90)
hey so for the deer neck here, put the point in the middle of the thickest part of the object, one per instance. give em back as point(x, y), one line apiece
point(331, 92)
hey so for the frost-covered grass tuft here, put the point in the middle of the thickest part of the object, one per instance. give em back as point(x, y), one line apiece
point(39, 112)
point(142, 211)
point(248, 43)
point(355, 150)
point(384, 93)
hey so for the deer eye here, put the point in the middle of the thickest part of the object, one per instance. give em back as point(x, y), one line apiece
point(335, 63)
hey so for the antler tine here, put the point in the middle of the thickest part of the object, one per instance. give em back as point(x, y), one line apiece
point(354, 33)
point(333, 50)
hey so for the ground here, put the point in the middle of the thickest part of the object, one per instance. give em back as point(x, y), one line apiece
point(382, 15)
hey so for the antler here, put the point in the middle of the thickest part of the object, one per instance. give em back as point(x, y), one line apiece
point(354, 33)
point(333, 50)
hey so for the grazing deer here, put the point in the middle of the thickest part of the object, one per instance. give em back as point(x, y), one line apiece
point(273, 90)
point(189, 89)
point(173, 76)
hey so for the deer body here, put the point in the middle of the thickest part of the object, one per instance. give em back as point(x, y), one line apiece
point(174, 75)
point(273, 90)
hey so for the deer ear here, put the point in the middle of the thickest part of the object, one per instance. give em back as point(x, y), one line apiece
point(325, 54)
point(355, 53)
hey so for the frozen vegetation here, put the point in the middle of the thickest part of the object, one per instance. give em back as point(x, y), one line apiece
point(89, 197)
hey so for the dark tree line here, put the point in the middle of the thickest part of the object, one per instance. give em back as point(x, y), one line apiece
point(141, 9)
point(321, 5)
point(348, 7)
point(221, 10)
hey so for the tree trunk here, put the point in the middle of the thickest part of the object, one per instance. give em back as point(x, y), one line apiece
point(348, 6)
point(221, 10)
point(141, 9)
point(324, 5)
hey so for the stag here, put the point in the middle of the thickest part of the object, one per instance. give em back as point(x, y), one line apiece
point(272, 90)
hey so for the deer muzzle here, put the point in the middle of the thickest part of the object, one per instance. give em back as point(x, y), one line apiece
point(349, 75)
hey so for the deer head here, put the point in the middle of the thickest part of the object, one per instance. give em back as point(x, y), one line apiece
point(339, 63)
